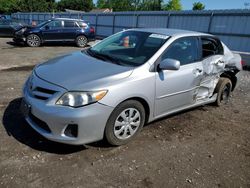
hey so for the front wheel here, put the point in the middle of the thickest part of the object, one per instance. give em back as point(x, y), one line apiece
point(223, 89)
point(125, 122)
point(33, 40)
point(81, 41)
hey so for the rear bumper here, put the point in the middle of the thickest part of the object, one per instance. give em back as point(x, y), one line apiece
point(238, 76)
point(91, 38)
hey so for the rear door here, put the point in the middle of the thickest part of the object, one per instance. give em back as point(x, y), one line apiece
point(52, 31)
point(69, 31)
point(177, 89)
point(213, 64)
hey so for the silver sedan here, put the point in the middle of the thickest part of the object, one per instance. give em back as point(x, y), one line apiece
point(129, 79)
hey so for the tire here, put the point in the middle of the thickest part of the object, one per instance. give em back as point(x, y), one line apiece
point(223, 89)
point(33, 40)
point(81, 41)
point(125, 122)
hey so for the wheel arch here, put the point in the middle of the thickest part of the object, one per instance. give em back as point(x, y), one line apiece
point(231, 76)
point(37, 34)
point(81, 34)
point(34, 33)
point(144, 104)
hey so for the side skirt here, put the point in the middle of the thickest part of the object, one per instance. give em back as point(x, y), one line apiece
point(198, 103)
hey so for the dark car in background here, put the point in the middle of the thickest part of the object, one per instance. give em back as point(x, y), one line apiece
point(8, 27)
point(2, 17)
point(57, 30)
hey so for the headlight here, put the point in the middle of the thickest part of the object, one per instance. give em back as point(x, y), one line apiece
point(78, 99)
point(21, 31)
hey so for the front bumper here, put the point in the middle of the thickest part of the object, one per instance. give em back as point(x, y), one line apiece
point(19, 38)
point(90, 120)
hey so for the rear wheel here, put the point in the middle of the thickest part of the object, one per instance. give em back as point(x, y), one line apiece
point(81, 41)
point(223, 89)
point(33, 40)
point(125, 122)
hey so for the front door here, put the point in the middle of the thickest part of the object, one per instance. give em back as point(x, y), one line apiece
point(52, 31)
point(177, 89)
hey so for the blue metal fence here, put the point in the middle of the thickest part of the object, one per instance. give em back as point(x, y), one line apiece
point(231, 26)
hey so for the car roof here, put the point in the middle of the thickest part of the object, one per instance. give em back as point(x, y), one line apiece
point(68, 19)
point(171, 32)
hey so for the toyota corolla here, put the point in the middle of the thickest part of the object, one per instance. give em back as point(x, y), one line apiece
point(129, 79)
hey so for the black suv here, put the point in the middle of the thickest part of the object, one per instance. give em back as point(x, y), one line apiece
point(56, 30)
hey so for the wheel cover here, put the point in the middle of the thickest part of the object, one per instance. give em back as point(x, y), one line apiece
point(33, 40)
point(225, 94)
point(82, 41)
point(127, 123)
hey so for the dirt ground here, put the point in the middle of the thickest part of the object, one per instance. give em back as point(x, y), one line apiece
point(204, 147)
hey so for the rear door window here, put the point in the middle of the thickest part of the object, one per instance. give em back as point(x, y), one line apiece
point(70, 24)
point(211, 46)
point(82, 24)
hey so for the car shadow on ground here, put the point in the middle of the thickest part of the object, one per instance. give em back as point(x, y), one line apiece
point(13, 45)
point(16, 126)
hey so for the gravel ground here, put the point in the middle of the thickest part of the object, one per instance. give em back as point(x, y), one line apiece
point(204, 147)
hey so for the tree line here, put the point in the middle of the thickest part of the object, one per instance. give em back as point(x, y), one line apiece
point(11, 6)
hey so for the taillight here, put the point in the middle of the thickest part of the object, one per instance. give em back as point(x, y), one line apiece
point(243, 63)
point(92, 29)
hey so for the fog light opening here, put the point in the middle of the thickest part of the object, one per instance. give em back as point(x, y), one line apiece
point(71, 130)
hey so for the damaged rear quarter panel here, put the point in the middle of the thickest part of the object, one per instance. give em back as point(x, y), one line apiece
point(227, 65)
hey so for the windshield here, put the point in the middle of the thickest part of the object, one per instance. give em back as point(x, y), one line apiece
point(129, 48)
point(42, 24)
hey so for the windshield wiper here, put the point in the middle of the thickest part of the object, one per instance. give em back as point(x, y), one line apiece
point(112, 59)
point(104, 57)
point(94, 54)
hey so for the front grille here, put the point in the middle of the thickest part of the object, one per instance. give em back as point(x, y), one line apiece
point(40, 97)
point(42, 93)
point(41, 124)
point(43, 90)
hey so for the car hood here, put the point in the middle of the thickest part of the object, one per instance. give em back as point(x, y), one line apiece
point(78, 71)
point(20, 26)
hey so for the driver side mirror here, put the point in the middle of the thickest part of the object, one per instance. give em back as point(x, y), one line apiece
point(169, 64)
